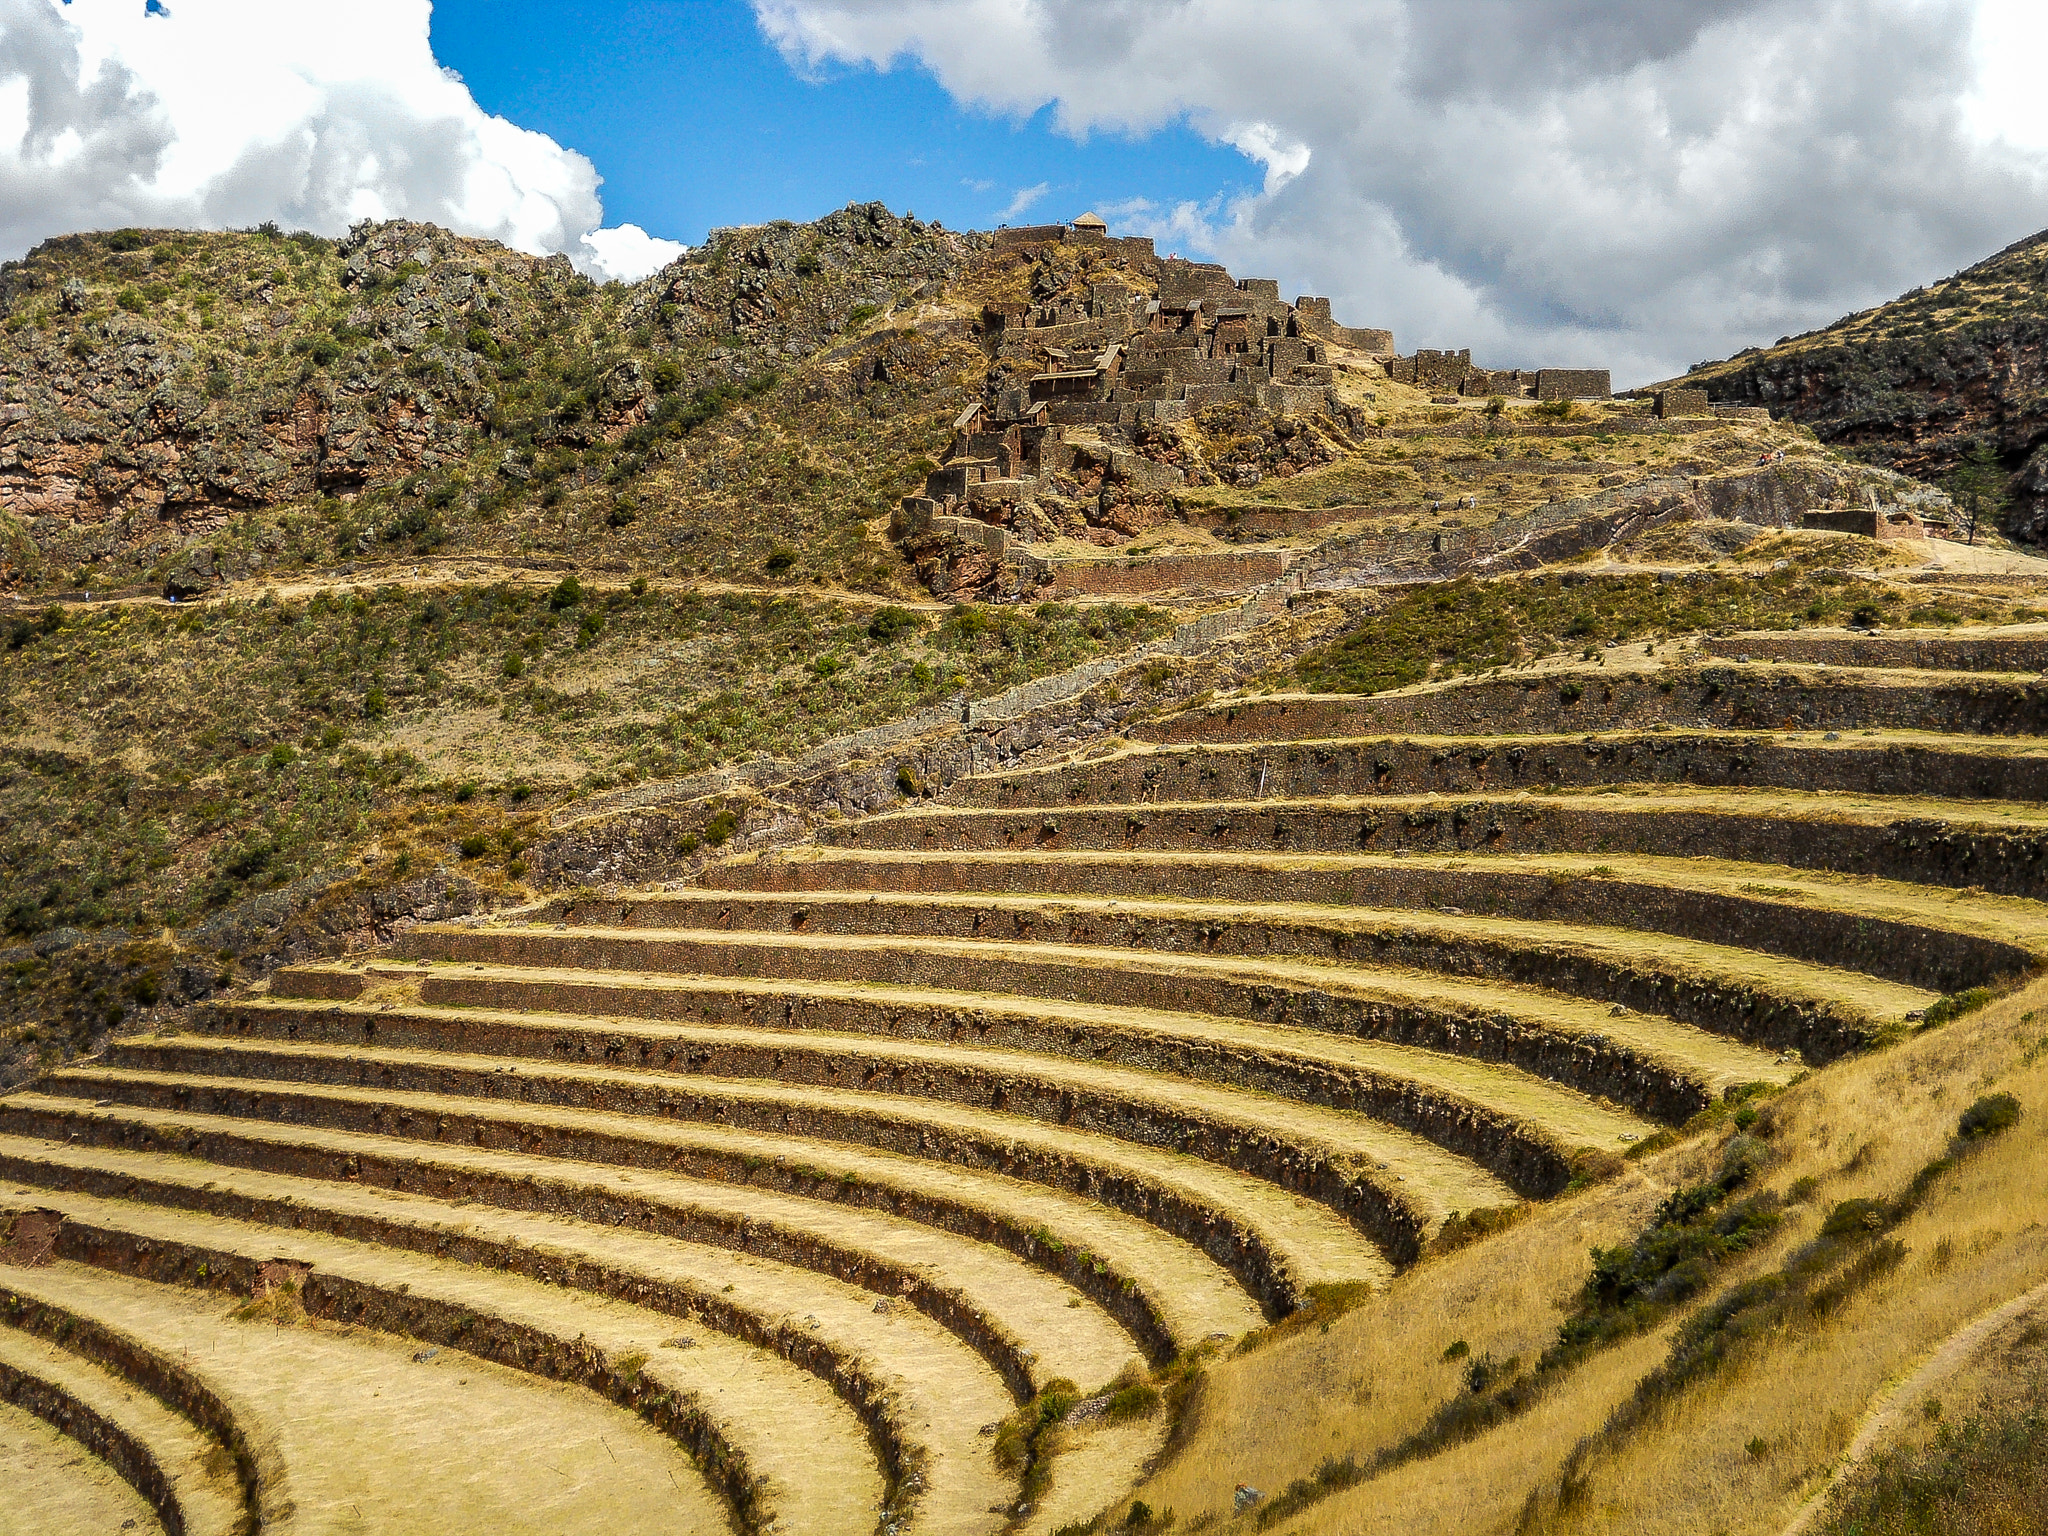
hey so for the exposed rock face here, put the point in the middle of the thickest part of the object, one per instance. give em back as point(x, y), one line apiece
point(158, 387)
point(790, 286)
point(137, 423)
point(1919, 382)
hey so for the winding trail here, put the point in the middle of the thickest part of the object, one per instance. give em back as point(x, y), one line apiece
point(1890, 1406)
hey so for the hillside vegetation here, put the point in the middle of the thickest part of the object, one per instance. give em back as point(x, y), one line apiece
point(1951, 376)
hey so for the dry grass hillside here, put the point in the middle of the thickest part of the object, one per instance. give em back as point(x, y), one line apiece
point(1947, 378)
point(1340, 959)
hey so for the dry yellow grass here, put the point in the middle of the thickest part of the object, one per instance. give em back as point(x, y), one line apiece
point(1862, 1128)
point(1959, 909)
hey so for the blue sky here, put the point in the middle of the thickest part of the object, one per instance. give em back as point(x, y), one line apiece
point(696, 123)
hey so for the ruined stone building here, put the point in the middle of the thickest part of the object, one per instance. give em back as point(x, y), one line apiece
point(1117, 346)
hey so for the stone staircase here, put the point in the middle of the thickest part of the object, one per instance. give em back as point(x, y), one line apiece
point(824, 1167)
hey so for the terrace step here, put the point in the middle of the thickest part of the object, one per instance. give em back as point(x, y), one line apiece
point(351, 1419)
point(1323, 1154)
point(1391, 1186)
point(1942, 940)
point(1715, 695)
point(2001, 847)
point(1819, 1024)
point(1025, 1321)
point(182, 1472)
point(918, 1389)
point(51, 1487)
point(959, 1164)
point(1720, 987)
point(1651, 1063)
point(1516, 1126)
point(2000, 649)
point(1865, 763)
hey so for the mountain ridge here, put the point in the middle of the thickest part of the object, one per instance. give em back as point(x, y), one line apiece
point(1921, 383)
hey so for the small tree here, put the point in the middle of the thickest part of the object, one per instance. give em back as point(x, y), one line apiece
point(1978, 487)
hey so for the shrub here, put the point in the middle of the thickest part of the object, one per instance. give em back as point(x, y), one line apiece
point(1571, 693)
point(514, 665)
point(907, 781)
point(472, 846)
point(416, 523)
point(779, 560)
point(890, 622)
point(719, 829)
point(374, 704)
point(1989, 1116)
point(1955, 1006)
point(1131, 1403)
point(567, 594)
point(281, 756)
point(1484, 1371)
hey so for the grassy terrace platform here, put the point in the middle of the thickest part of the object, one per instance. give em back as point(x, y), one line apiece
point(1033, 1090)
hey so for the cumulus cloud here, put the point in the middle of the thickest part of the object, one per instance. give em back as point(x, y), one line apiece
point(1026, 199)
point(231, 112)
point(1576, 182)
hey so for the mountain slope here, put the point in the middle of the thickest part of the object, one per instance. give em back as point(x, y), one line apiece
point(1918, 383)
point(182, 408)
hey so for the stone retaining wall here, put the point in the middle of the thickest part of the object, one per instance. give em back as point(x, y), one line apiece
point(168, 1381)
point(1304, 1167)
point(1960, 651)
point(1721, 1004)
point(1571, 703)
point(1337, 1006)
point(1519, 1155)
point(1305, 769)
point(132, 1461)
point(1238, 1248)
point(432, 1322)
point(1914, 954)
point(591, 1203)
point(1924, 851)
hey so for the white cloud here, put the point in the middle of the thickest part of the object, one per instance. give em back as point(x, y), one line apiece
point(1282, 160)
point(625, 254)
point(1573, 182)
point(230, 112)
point(1025, 199)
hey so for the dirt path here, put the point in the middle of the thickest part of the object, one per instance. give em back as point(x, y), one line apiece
point(1950, 1356)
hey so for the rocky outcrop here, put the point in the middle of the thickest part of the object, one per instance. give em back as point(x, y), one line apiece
point(1918, 383)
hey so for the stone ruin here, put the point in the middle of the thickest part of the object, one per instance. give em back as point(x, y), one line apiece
point(1119, 363)
point(1452, 373)
point(1151, 341)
